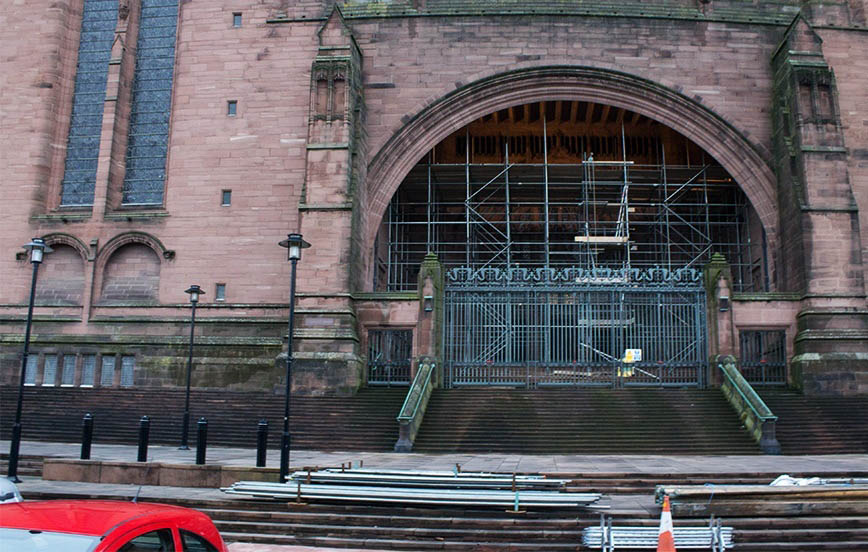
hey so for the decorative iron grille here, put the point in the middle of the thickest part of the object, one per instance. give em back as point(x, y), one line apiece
point(764, 356)
point(389, 353)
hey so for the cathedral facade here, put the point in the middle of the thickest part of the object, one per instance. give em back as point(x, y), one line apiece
point(529, 193)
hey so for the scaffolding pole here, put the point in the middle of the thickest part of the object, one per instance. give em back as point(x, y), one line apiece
point(546, 188)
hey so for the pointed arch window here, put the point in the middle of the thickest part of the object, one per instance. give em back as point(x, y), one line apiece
point(148, 143)
point(99, 18)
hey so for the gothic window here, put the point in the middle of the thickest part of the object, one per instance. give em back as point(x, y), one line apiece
point(82, 149)
point(339, 97)
point(152, 93)
point(329, 92)
point(322, 96)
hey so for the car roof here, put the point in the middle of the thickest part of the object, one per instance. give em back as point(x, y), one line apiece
point(85, 517)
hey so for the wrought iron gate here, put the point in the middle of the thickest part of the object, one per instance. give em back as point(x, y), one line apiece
point(530, 328)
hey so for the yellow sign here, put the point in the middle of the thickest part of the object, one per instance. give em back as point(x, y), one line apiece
point(632, 355)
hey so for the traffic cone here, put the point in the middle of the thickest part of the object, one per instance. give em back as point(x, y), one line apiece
point(665, 538)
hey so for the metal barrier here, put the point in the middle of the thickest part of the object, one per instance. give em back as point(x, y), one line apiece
point(609, 538)
point(758, 419)
point(144, 433)
point(261, 442)
point(201, 440)
point(413, 409)
point(86, 435)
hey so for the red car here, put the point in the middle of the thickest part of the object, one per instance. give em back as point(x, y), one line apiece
point(105, 526)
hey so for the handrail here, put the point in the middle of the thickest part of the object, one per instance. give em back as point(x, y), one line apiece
point(416, 391)
point(756, 415)
point(411, 413)
point(751, 399)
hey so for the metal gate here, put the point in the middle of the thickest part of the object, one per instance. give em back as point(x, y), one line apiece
point(531, 328)
point(389, 353)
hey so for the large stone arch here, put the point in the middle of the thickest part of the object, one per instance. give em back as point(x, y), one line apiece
point(437, 120)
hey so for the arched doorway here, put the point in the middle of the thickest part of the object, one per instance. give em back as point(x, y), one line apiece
point(573, 209)
point(571, 232)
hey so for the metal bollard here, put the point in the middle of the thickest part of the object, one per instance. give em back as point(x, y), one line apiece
point(261, 442)
point(201, 440)
point(12, 469)
point(86, 435)
point(144, 431)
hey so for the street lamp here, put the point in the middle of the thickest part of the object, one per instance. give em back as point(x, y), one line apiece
point(194, 291)
point(37, 248)
point(294, 244)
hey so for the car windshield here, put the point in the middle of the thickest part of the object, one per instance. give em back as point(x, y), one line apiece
point(23, 540)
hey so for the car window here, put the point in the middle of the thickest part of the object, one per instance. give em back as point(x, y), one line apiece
point(195, 543)
point(22, 540)
point(153, 541)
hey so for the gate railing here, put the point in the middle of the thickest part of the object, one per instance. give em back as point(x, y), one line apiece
point(546, 327)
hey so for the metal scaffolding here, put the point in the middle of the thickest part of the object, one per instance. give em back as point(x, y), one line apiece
point(588, 214)
point(559, 260)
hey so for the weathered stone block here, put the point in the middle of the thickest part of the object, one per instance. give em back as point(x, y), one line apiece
point(182, 475)
point(130, 473)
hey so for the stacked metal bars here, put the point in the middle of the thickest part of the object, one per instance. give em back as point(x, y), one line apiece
point(445, 479)
point(425, 488)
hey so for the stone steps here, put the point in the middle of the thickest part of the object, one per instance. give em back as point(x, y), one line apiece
point(365, 421)
point(625, 421)
point(816, 424)
point(29, 465)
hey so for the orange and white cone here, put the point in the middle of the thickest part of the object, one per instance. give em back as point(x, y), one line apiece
point(665, 538)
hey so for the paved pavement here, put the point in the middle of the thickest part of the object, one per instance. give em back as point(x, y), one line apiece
point(527, 463)
point(522, 463)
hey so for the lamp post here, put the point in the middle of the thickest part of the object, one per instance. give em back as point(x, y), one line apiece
point(294, 244)
point(37, 248)
point(194, 291)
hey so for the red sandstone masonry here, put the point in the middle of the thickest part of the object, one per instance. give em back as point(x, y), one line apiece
point(260, 154)
point(845, 53)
